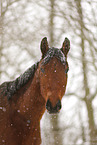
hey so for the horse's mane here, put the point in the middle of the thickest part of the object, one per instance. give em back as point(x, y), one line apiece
point(10, 88)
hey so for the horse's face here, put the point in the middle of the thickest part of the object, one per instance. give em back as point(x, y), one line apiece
point(53, 76)
point(53, 80)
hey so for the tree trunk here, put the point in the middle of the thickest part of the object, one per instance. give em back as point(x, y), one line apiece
point(92, 127)
point(51, 22)
point(87, 101)
point(1, 39)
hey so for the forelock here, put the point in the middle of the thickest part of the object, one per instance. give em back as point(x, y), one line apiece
point(54, 52)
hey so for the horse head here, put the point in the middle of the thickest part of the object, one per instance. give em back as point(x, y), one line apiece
point(53, 70)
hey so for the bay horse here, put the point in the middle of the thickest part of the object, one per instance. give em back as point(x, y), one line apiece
point(24, 100)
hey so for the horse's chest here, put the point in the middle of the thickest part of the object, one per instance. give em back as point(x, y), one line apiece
point(24, 131)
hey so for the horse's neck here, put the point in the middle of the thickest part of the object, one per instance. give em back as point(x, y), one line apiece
point(25, 113)
point(31, 104)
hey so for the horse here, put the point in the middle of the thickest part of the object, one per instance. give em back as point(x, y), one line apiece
point(24, 100)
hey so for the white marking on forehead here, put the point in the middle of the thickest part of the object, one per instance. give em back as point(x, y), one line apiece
point(49, 93)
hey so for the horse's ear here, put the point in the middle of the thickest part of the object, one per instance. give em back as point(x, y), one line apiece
point(65, 47)
point(44, 46)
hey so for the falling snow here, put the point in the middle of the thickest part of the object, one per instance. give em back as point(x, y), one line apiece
point(3, 109)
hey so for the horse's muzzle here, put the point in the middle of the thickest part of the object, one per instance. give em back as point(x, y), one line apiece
point(51, 109)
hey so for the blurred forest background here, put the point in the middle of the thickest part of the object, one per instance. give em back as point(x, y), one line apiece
point(23, 23)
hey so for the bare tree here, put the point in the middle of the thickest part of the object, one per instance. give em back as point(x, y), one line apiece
point(22, 34)
point(88, 97)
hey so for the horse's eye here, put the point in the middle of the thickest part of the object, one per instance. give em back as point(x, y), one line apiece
point(66, 67)
point(42, 70)
point(66, 70)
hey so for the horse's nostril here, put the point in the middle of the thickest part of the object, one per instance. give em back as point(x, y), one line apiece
point(58, 106)
point(48, 105)
point(53, 109)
